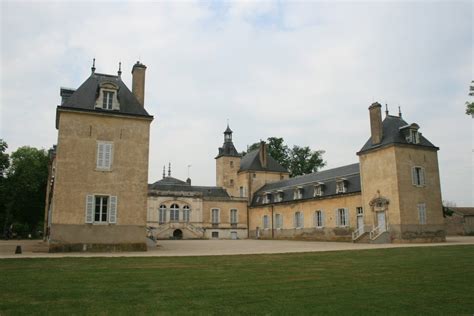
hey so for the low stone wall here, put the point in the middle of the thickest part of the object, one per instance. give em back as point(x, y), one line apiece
point(417, 233)
point(317, 234)
point(97, 247)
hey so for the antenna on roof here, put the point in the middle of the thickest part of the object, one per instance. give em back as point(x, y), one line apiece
point(93, 65)
point(119, 72)
point(399, 112)
point(386, 109)
point(164, 174)
point(169, 169)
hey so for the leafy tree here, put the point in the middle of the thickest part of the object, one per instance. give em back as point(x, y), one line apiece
point(4, 160)
point(470, 105)
point(4, 164)
point(298, 160)
point(26, 187)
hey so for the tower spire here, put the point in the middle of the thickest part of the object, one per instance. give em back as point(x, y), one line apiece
point(386, 109)
point(164, 174)
point(399, 112)
point(93, 65)
point(169, 169)
point(119, 72)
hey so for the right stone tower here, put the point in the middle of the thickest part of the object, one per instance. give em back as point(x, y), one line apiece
point(400, 182)
point(227, 165)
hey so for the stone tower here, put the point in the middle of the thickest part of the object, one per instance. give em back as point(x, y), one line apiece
point(227, 165)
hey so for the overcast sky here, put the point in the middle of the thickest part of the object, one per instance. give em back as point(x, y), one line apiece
point(305, 71)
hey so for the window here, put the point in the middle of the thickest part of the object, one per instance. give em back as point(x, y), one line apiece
point(104, 155)
point(101, 209)
point(215, 216)
point(265, 222)
point(299, 220)
point(298, 194)
point(267, 197)
point(278, 196)
point(278, 221)
point(319, 219)
point(254, 175)
point(231, 164)
point(107, 101)
point(318, 190)
point(233, 216)
point(242, 192)
point(162, 214)
point(186, 213)
point(342, 217)
point(174, 213)
point(422, 213)
point(360, 211)
point(215, 234)
point(418, 176)
point(341, 186)
point(231, 182)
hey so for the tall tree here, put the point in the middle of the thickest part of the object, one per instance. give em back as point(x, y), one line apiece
point(470, 105)
point(26, 186)
point(298, 160)
point(4, 164)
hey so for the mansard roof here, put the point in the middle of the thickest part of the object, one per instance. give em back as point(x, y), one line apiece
point(173, 186)
point(84, 98)
point(251, 162)
point(350, 174)
point(392, 134)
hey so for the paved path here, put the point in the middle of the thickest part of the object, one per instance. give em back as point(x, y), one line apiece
point(167, 248)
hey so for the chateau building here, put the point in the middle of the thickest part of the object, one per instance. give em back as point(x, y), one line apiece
point(97, 192)
point(98, 196)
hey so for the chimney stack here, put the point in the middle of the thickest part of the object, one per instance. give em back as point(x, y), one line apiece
point(376, 123)
point(263, 154)
point(138, 82)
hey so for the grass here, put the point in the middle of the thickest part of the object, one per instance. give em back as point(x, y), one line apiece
point(427, 280)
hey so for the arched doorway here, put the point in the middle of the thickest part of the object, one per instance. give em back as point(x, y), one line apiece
point(178, 234)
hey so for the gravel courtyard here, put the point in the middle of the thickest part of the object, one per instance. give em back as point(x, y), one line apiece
point(36, 249)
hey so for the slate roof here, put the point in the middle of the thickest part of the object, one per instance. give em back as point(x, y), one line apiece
point(171, 184)
point(392, 135)
point(350, 173)
point(84, 98)
point(466, 211)
point(251, 162)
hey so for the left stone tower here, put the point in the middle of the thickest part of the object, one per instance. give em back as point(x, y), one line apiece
point(97, 193)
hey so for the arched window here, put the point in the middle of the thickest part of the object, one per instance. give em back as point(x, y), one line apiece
point(186, 213)
point(162, 214)
point(174, 213)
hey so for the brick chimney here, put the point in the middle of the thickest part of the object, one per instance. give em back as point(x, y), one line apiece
point(262, 154)
point(376, 123)
point(138, 82)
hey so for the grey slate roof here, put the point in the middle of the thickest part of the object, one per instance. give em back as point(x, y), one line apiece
point(392, 135)
point(84, 98)
point(170, 184)
point(351, 174)
point(251, 162)
point(466, 211)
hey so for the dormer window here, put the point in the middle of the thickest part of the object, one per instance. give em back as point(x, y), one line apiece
point(318, 189)
point(414, 136)
point(279, 196)
point(107, 99)
point(411, 133)
point(267, 198)
point(298, 194)
point(341, 186)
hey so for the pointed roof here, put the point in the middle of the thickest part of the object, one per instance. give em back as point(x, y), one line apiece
point(392, 134)
point(228, 148)
point(251, 162)
point(84, 98)
point(228, 130)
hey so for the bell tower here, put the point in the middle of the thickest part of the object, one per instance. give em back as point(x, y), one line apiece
point(228, 164)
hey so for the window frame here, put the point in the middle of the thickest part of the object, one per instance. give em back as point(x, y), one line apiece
point(421, 207)
point(216, 220)
point(162, 214)
point(174, 212)
point(186, 213)
point(110, 209)
point(234, 216)
point(418, 176)
point(278, 221)
point(319, 219)
point(103, 149)
point(342, 217)
point(265, 222)
point(299, 220)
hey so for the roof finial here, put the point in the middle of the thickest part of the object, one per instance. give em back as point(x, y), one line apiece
point(119, 72)
point(164, 174)
point(93, 65)
point(399, 112)
point(386, 109)
point(169, 169)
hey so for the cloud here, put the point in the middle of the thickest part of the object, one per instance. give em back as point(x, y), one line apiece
point(300, 70)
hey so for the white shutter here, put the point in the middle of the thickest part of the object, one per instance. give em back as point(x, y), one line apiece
point(346, 214)
point(413, 176)
point(422, 176)
point(302, 220)
point(322, 219)
point(294, 220)
point(100, 155)
point(113, 210)
point(107, 156)
point(90, 209)
point(337, 218)
point(315, 219)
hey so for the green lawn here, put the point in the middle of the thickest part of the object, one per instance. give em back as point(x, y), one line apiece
point(428, 280)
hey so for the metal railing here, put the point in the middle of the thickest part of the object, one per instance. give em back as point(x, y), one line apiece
point(377, 231)
point(358, 232)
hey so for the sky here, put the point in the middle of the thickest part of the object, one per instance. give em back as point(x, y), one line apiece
point(306, 71)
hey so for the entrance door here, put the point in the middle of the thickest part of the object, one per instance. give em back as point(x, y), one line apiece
point(360, 221)
point(381, 221)
point(178, 234)
point(233, 235)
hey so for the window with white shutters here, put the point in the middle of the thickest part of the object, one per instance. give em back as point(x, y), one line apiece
point(342, 217)
point(278, 221)
point(104, 155)
point(418, 176)
point(101, 209)
point(299, 220)
point(215, 216)
point(319, 219)
point(233, 216)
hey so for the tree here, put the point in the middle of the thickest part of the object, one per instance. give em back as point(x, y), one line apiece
point(298, 160)
point(4, 160)
point(4, 164)
point(470, 105)
point(26, 187)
